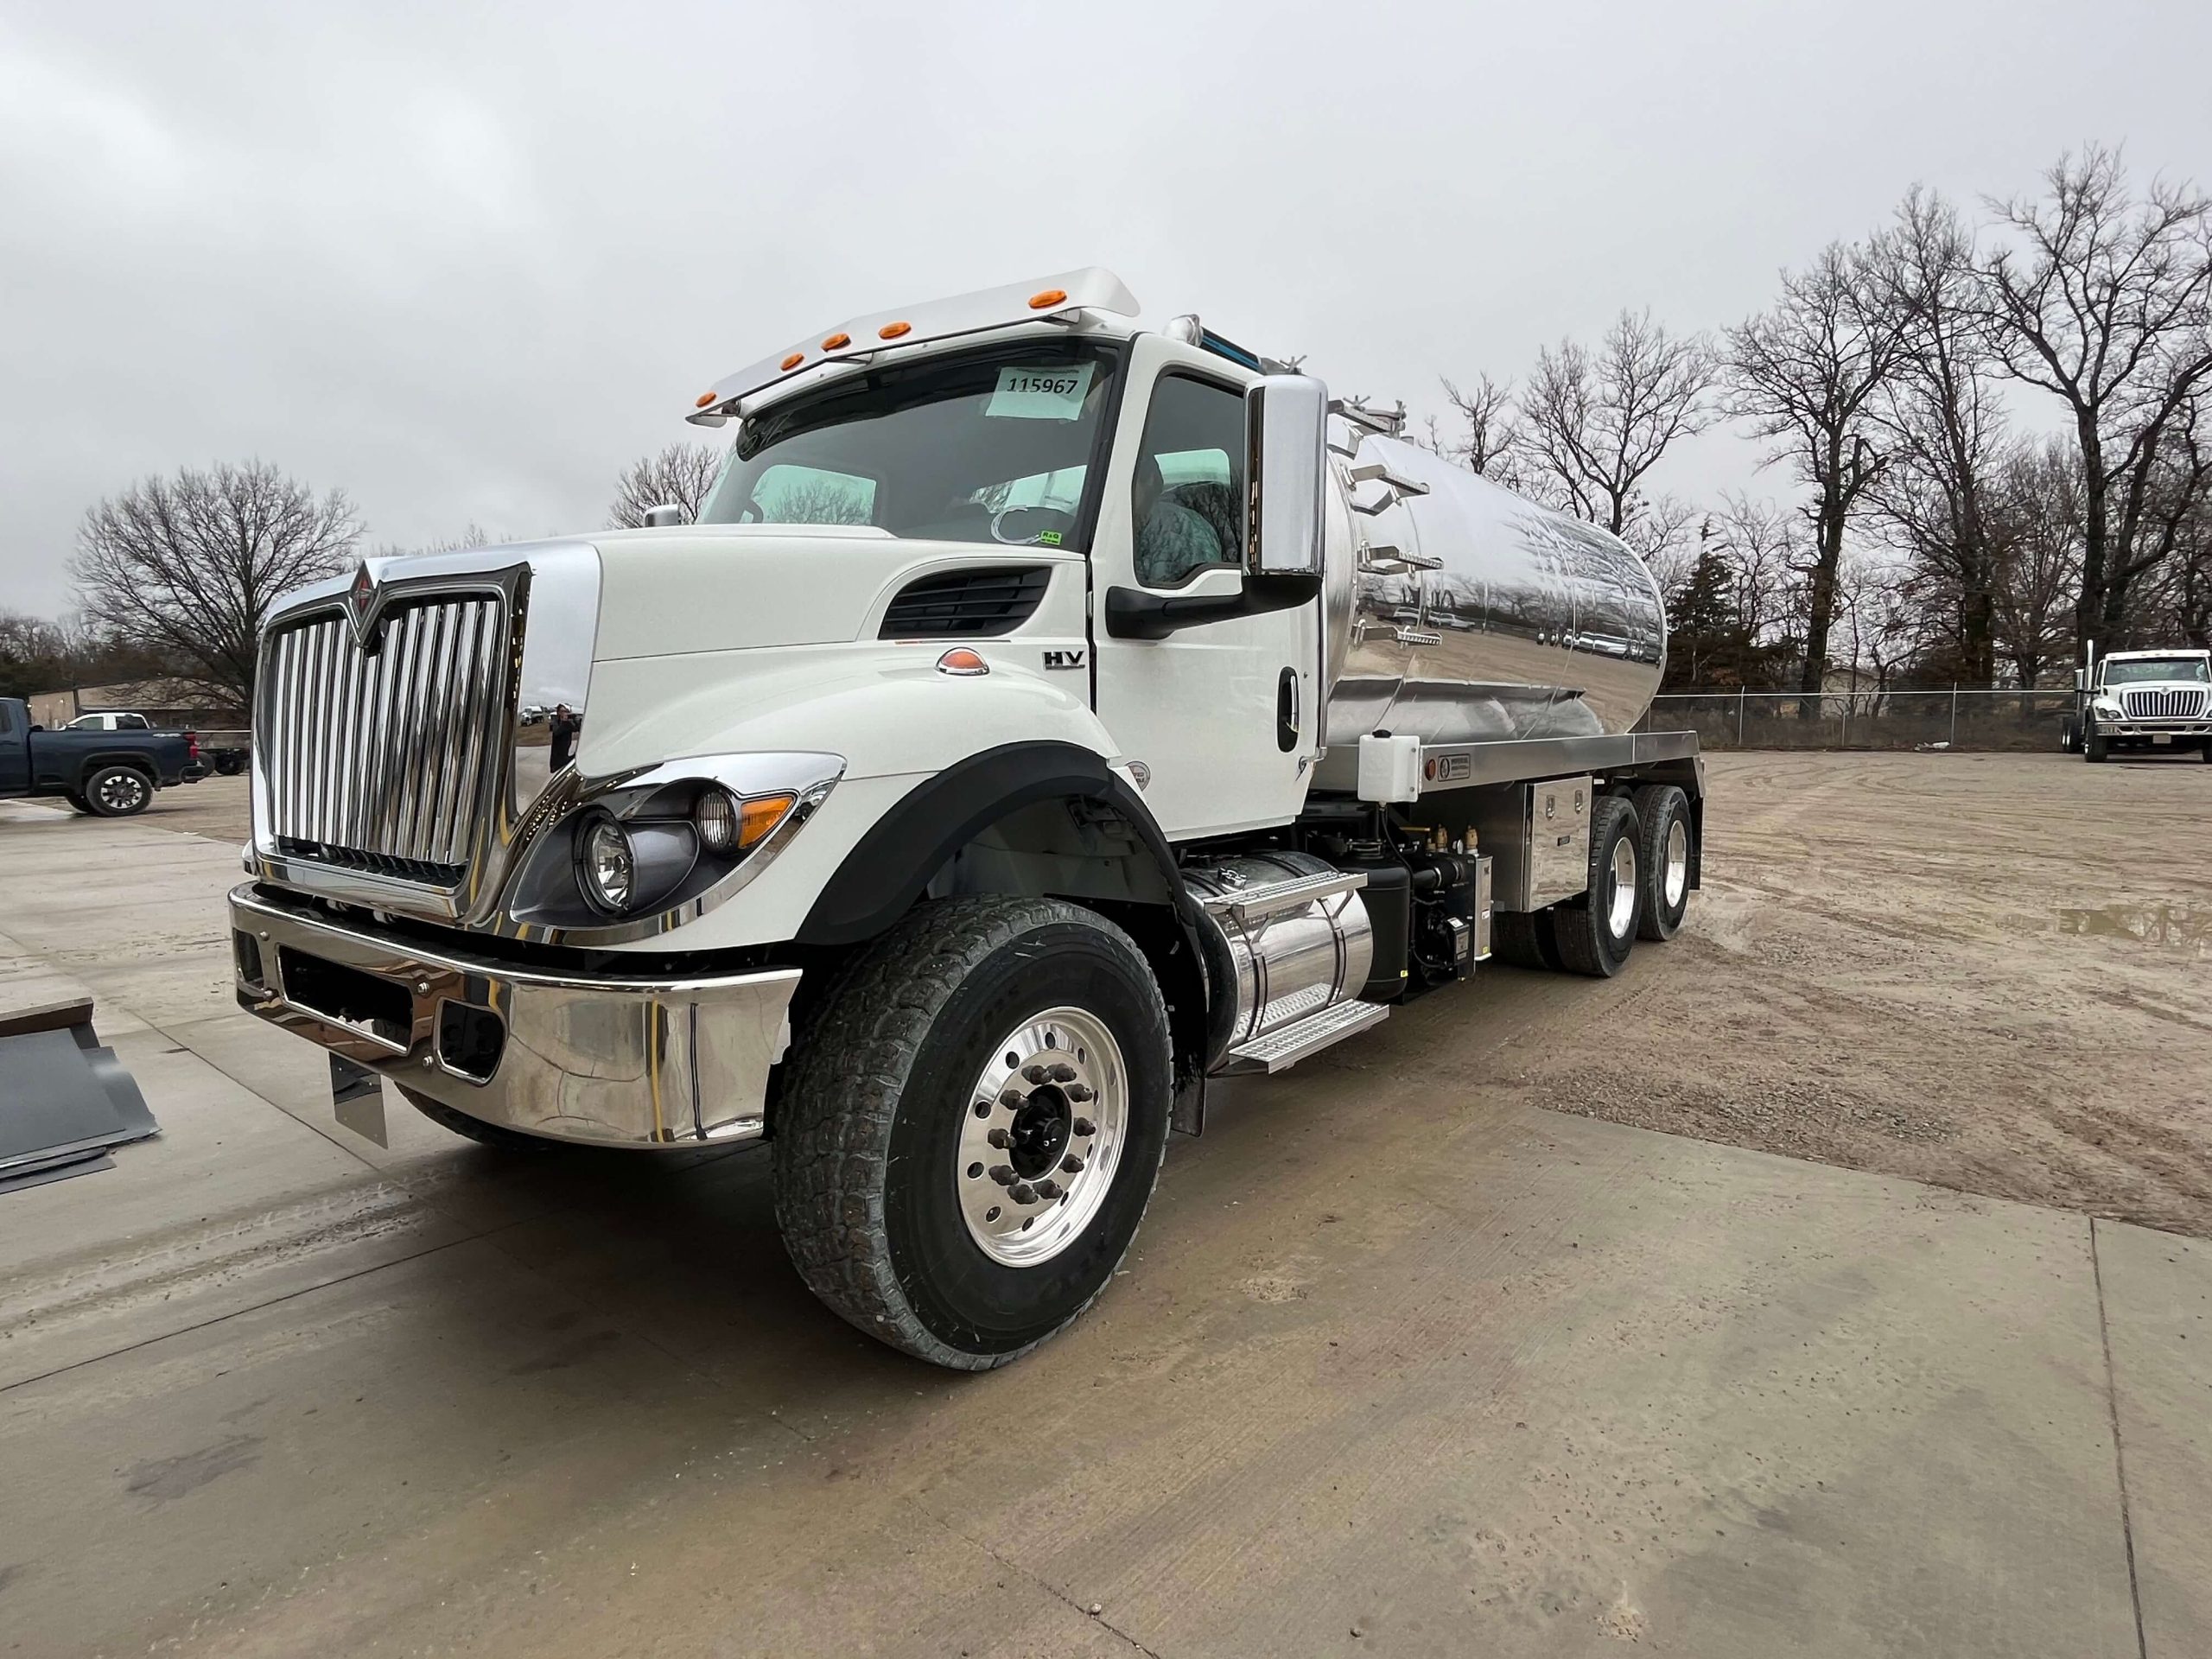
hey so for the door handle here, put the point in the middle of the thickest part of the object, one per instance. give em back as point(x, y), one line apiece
point(1286, 713)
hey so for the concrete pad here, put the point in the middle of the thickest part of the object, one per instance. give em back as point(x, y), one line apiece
point(450, 1445)
point(230, 1206)
point(2158, 1311)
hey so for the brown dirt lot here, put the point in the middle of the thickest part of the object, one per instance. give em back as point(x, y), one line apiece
point(1989, 971)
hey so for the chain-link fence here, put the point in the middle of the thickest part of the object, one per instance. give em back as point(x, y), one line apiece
point(1865, 720)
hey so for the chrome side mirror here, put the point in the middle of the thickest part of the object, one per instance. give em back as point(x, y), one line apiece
point(1286, 425)
point(664, 515)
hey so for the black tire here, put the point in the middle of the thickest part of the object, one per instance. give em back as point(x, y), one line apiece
point(2070, 733)
point(1589, 934)
point(473, 1129)
point(867, 1137)
point(1513, 938)
point(2094, 747)
point(78, 803)
point(1662, 809)
point(118, 791)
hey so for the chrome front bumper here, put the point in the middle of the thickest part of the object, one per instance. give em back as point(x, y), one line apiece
point(611, 1061)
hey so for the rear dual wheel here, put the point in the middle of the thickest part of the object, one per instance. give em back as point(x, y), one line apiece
point(972, 1126)
point(1594, 933)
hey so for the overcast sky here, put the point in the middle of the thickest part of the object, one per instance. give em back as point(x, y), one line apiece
point(465, 262)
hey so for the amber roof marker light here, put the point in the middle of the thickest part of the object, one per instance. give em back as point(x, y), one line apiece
point(892, 330)
point(1047, 299)
point(837, 342)
point(703, 399)
point(795, 359)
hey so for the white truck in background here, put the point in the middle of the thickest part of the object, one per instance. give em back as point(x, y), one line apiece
point(2143, 700)
point(1044, 716)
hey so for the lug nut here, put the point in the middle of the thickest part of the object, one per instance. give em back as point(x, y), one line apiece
point(1000, 1138)
point(1036, 1074)
point(1022, 1192)
point(1048, 1189)
point(1063, 1072)
point(1014, 1098)
point(1079, 1092)
point(1071, 1164)
point(1085, 1126)
point(1003, 1173)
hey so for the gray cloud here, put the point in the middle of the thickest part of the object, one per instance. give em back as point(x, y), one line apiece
point(466, 262)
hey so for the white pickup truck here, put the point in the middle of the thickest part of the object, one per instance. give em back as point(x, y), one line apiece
point(2145, 700)
point(1043, 714)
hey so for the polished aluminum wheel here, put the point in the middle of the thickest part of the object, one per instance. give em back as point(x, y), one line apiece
point(1678, 862)
point(1620, 903)
point(1043, 1131)
point(120, 791)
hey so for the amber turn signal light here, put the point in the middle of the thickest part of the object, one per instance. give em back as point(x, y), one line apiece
point(756, 817)
point(962, 661)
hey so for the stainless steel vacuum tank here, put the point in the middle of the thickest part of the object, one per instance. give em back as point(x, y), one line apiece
point(1458, 612)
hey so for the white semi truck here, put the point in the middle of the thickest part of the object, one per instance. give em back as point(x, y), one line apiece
point(1043, 715)
point(2143, 700)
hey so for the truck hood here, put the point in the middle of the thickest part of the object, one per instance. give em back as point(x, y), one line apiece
point(719, 587)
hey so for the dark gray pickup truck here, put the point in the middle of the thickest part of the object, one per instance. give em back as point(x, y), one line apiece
point(108, 774)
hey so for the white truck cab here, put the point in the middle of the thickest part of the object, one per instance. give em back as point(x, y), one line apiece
point(1044, 716)
point(2145, 700)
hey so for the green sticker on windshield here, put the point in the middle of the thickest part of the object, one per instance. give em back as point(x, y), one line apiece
point(1041, 394)
point(1049, 537)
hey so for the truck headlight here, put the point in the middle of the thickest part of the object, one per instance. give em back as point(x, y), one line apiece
point(646, 850)
point(607, 866)
point(2106, 708)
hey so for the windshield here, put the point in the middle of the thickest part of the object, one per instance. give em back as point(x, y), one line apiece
point(992, 446)
point(2135, 671)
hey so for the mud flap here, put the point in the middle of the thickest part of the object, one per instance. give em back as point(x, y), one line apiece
point(1187, 1114)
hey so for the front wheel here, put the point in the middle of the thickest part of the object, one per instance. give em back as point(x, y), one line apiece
point(118, 791)
point(2094, 746)
point(972, 1126)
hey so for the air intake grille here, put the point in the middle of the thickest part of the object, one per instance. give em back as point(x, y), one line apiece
point(2164, 705)
point(966, 603)
point(378, 760)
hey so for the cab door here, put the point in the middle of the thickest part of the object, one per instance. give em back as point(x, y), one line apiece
point(15, 749)
point(1220, 714)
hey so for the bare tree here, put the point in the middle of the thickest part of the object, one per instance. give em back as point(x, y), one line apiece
point(1490, 442)
point(1942, 423)
point(188, 567)
point(1765, 553)
point(2106, 303)
point(1804, 374)
point(2038, 511)
point(681, 475)
point(1594, 424)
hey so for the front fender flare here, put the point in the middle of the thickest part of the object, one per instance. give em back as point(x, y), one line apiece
point(887, 868)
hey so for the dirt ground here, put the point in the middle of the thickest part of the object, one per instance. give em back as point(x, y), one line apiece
point(1989, 971)
point(1993, 972)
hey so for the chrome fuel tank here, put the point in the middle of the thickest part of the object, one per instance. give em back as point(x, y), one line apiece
point(1458, 612)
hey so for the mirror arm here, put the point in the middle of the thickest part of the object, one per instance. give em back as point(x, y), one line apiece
point(1132, 613)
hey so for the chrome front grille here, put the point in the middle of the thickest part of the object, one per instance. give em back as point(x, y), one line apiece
point(382, 760)
point(2183, 703)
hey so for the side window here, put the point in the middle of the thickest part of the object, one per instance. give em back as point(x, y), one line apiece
point(1187, 498)
point(131, 723)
